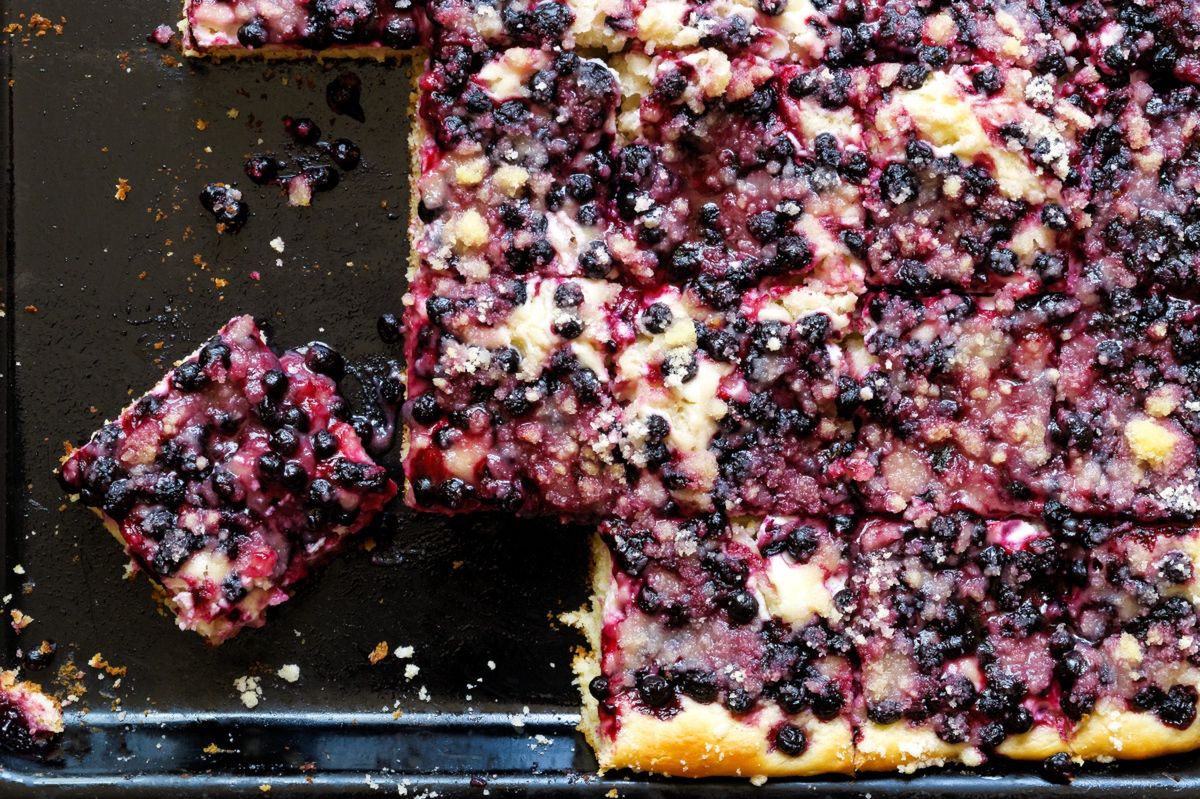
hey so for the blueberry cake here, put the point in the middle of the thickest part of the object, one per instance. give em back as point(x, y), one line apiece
point(865, 332)
point(231, 479)
point(30, 720)
point(721, 648)
point(298, 28)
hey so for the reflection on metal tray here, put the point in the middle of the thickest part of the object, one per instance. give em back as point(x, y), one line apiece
point(101, 294)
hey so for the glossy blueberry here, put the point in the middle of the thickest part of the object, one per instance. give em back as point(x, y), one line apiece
point(261, 169)
point(303, 130)
point(275, 384)
point(189, 377)
point(324, 444)
point(742, 607)
point(599, 688)
point(791, 740)
point(324, 360)
point(654, 690)
point(345, 154)
point(321, 178)
point(253, 33)
point(284, 441)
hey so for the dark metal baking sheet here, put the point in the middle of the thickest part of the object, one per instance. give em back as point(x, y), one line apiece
point(99, 294)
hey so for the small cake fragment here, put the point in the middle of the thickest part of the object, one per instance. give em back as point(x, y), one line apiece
point(29, 719)
point(232, 478)
point(281, 28)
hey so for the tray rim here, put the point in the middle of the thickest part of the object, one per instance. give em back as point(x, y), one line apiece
point(34, 778)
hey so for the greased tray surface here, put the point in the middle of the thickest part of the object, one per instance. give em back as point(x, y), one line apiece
point(101, 294)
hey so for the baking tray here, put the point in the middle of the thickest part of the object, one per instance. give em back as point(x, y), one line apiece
point(101, 294)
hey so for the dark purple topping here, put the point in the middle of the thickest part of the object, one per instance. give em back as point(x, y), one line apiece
point(346, 20)
point(401, 33)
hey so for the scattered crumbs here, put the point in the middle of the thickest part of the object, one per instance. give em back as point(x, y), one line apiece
point(70, 679)
point(612, 794)
point(7, 598)
point(212, 749)
point(220, 282)
point(411, 670)
point(456, 564)
point(158, 345)
point(423, 694)
point(249, 689)
point(31, 309)
point(19, 620)
point(289, 672)
point(37, 25)
point(277, 244)
point(123, 188)
point(541, 740)
point(255, 275)
point(233, 113)
point(97, 661)
point(403, 652)
point(201, 124)
point(378, 653)
point(491, 664)
point(265, 788)
point(758, 780)
point(18, 569)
